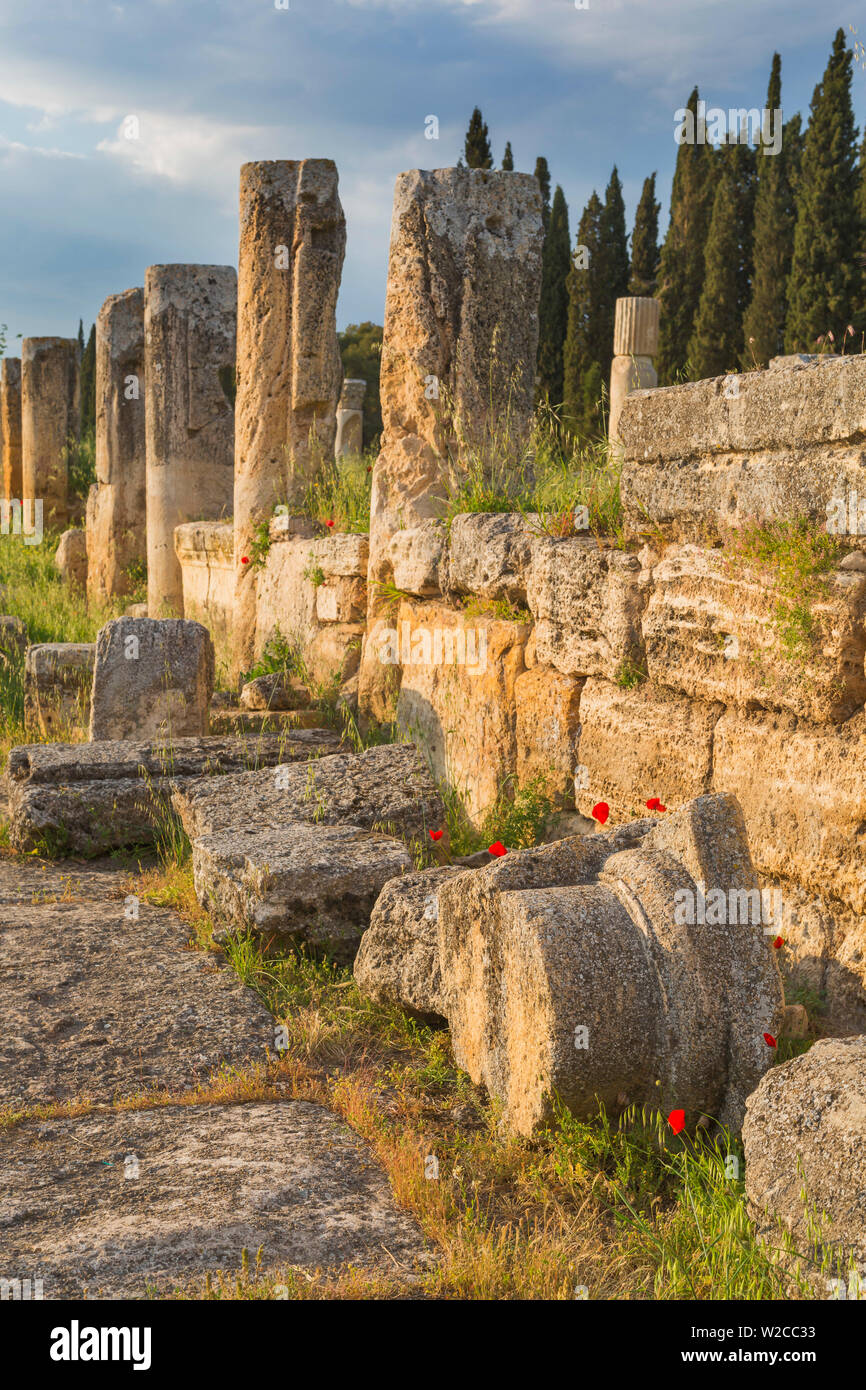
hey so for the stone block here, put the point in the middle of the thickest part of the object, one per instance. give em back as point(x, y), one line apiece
point(71, 558)
point(587, 604)
point(639, 744)
point(57, 681)
point(151, 677)
point(310, 883)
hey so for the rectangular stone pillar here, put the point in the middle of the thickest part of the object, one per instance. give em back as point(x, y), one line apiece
point(116, 505)
point(461, 333)
point(292, 244)
point(459, 346)
point(50, 421)
point(10, 425)
point(190, 317)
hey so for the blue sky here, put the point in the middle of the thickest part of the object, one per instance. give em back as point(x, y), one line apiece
point(83, 210)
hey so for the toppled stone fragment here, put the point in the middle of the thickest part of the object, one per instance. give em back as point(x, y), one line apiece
point(806, 1128)
point(572, 971)
point(151, 677)
point(398, 960)
point(315, 884)
point(389, 789)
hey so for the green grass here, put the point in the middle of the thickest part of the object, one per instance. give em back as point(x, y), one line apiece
point(52, 612)
point(340, 492)
point(547, 477)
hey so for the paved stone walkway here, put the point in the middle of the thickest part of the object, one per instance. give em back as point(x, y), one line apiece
point(96, 1004)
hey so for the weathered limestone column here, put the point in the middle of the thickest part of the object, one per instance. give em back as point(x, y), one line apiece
point(635, 344)
point(292, 244)
point(50, 421)
point(350, 417)
point(116, 504)
point(190, 316)
point(10, 425)
point(460, 338)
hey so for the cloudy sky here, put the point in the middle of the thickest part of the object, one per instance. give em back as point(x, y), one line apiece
point(211, 83)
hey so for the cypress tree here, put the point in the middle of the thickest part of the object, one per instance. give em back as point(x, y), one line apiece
point(824, 286)
point(645, 242)
point(862, 210)
point(740, 156)
point(764, 320)
point(582, 376)
point(477, 144)
point(81, 335)
point(88, 383)
point(542, 173)
point(508, 159)
point(714, 345)
point(553, 303)
point(681, 265)
point(612, 271)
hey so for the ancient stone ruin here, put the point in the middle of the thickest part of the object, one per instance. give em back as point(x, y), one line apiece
point(190, 315)
point(50, 422)
point(635, 344)
point(292, 243)
point(350, 417)
point(116, 539)
point(699, 743)
point(10, 425)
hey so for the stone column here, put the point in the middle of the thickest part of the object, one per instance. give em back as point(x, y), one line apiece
point(635, 344)
point(292, 244)
point(50, 421)
point(350, 417)
point(190, 316)
point(460, 336)
point(116, 505)
point(10, 425)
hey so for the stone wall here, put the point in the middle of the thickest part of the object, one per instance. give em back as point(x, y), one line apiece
point(311, 589)
point(708, 455)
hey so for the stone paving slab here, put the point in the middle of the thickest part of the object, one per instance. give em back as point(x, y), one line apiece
point(211, 1181)
point(97, 1004)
